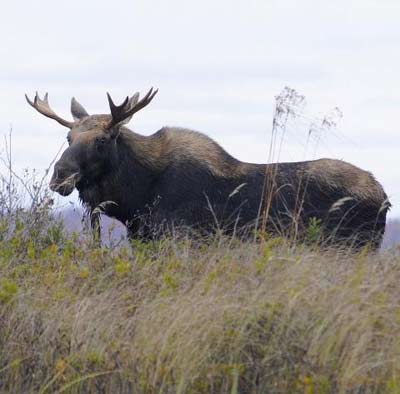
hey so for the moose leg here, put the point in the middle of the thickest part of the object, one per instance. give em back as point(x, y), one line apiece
point(132, 230)
point(96, 228)
point(138, 230)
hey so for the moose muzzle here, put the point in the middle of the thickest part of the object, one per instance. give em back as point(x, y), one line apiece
point(64, 179)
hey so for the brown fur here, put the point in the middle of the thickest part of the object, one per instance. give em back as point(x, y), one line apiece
point(177, 145)
point(339, 174)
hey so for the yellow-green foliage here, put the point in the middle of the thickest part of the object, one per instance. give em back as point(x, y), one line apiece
point(8, 290)
point(179, 316)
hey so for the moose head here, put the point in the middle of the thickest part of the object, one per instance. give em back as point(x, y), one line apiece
point(92, 139)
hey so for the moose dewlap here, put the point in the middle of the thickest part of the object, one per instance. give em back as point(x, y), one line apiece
point(179, 178)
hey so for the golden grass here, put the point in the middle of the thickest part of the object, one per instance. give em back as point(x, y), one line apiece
point(179, 316)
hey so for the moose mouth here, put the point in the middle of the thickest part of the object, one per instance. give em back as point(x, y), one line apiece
point(66, 186)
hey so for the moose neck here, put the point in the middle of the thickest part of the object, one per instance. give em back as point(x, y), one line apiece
point(128, 178)
point(145, 151)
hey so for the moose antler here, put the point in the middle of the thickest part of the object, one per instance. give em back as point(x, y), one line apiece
point(121, 112)
point(43, 107)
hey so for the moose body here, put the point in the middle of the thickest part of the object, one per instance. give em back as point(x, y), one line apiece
point(181, 178)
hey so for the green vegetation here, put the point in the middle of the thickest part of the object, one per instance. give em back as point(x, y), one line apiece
point(182, 316)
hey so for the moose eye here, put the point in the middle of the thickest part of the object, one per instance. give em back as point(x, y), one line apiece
point(102, 140)
point(69, 139)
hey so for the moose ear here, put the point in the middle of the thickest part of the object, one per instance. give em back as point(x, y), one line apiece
point(78, 112)
point(130, 104)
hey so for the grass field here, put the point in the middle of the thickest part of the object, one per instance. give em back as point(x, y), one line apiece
point(181, 316)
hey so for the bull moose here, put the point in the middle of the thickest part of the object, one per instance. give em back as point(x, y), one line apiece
point(179, 177)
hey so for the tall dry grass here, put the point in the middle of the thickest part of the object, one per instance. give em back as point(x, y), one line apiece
point(178, 316)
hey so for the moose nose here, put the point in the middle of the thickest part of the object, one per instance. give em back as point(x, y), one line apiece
point(63, 179)
point(60, 173)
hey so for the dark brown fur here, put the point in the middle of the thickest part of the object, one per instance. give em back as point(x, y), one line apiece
point(178, 177)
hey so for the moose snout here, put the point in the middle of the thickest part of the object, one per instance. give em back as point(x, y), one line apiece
point(64, 179)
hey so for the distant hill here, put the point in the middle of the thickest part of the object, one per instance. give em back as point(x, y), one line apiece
point(75, 220)
point(392, 234)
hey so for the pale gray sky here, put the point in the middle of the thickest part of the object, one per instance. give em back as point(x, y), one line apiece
point(218, 65)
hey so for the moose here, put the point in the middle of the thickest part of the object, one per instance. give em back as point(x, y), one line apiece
point(180, 178)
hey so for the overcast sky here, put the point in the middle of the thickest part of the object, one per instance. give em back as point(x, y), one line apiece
point(218, 66)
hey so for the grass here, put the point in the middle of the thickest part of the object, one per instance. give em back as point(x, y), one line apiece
point(181, 316)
